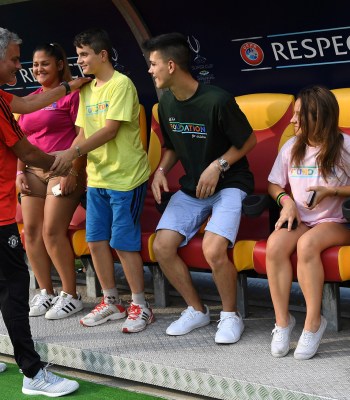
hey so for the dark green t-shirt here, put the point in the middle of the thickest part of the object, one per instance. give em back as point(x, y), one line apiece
point(200, 130)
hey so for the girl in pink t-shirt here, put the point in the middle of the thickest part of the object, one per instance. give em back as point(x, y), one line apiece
point(315, 165)
point(47, 217)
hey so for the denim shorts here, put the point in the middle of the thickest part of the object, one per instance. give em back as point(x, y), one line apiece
point(115, 216)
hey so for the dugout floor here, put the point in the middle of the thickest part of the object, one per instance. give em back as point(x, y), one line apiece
point(193, 363)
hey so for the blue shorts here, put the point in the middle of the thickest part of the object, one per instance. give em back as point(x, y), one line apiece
point(185, 214)
point(115, 216)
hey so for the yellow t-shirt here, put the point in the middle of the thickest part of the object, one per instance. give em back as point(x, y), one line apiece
point(120, 164)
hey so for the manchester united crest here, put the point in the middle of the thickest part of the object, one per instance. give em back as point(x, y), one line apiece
point(13, 241)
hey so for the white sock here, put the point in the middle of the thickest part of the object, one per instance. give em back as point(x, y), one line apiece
point(138, 298)
point(228, 313)
point(111, 296)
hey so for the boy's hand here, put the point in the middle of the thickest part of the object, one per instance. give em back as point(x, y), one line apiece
point(159, 181)
point(208, 181)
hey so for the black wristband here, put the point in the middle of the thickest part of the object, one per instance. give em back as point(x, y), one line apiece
point(66, 85)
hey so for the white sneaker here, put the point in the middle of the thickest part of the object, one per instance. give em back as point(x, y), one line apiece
point(3, 367)
point(230, 328)
point(190, 319)
point(308, 343)
point(281, 338)
point(63, 306)
point(139, 316)
point(48, 384)
point(41, 303)
point(104, 312)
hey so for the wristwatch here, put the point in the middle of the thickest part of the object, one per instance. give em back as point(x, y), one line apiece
point(224, 165)
point(67, 87)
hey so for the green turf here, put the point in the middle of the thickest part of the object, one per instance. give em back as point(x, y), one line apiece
point(11, 389)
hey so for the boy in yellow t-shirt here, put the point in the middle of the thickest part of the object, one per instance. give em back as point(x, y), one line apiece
point(118, 171)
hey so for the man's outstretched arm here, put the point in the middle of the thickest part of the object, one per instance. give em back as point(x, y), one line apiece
point(28, 104)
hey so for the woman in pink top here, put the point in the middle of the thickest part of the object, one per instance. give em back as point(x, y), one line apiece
point(46, 217)
point(315, 164)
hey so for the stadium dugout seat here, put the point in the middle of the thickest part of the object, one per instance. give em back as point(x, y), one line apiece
point(269, 114)
point(252, 253)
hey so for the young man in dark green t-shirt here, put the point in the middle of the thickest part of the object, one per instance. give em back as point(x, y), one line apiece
point(204, 128)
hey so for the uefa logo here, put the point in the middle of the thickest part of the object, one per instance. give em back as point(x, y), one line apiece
point(252, 53)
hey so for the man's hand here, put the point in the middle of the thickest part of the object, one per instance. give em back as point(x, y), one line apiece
point(29, 103)
point(63, 162)
point(208, 181)
point(78, 83)
point(22, 184)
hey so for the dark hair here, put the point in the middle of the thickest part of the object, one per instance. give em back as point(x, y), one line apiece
point(319, 123)
point(172, 46)
point(55, 50)
point(97, 39)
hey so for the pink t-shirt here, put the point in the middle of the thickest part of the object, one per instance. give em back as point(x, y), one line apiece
point(301, 177)
point(52, 128)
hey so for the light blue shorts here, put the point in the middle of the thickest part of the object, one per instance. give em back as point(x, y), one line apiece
point(186, 214)
point(115, 216)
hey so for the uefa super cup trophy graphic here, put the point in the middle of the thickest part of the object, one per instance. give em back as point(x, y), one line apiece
point(195, 47)
point(201, 68)
point(116, 65)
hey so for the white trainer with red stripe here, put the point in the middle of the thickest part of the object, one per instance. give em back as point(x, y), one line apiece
point(139, 316)
point(104, 312)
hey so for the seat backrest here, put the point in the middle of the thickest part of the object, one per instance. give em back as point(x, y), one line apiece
point(150, 215)
point(78, 219)
point(155, 141)
point(269, 114)
point(343, 98)
point(143, 127)
point(155, 152)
